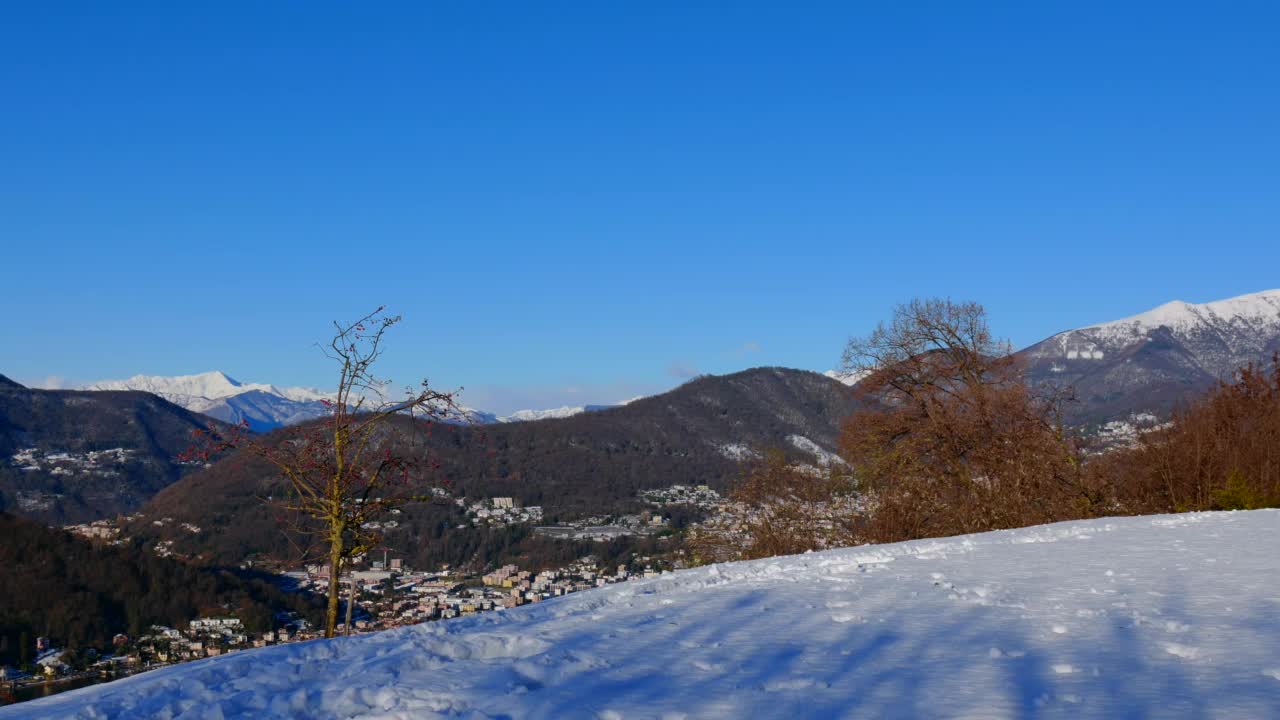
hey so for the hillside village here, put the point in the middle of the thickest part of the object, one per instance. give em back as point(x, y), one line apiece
point(390, 593)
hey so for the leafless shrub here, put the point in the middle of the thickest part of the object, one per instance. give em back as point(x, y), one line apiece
point(952, 439)
point(1221, 452)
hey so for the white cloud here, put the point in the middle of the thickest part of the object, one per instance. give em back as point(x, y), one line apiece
point(681, 370)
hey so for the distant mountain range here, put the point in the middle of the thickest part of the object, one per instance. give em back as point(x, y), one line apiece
point(1150, 362)
point(585, 464)
point(267, 407)
point(480, 417)
point(262, 407)
point(1143, 364)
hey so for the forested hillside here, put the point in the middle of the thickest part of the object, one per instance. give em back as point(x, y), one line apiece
point(80, 594)
point(73, 456)
point(699, 433)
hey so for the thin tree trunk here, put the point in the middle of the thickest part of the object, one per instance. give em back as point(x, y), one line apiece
point(335, 567)
point(351, 602)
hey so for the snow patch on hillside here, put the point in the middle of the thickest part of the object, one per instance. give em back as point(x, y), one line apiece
point(1168, 616)
point(527, 415)
point(738, 451)
point(824, 456)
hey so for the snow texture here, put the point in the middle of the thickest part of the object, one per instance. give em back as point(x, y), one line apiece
point(824, 457)
point(1261, 308)
point(218, 395)
point(212, 385)
point(738, 451)
point(1164, 616)
point(526, 415)
point(848, 377)
point(1218, 336)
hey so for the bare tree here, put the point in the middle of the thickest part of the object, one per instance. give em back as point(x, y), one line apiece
point(351, 468)
point(951, 438)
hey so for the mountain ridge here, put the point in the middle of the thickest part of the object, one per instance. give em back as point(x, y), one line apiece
point(78, 455)
point(214, 393)
point(265, 407)
point(586, 464)
point(1155, 360)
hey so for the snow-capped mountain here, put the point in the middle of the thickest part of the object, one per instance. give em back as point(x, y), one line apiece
point(266, 407)
point(848, 377)
point(1152, 361)
point(552, 413)
point(472, 416)
point(1157, 616)
point(217, 395)
point(560, 412)
point(210, 385)
point(481, 417)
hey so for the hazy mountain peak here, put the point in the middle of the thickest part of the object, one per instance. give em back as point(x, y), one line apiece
point(560, 412)
point(216, 394)
point(213, 384)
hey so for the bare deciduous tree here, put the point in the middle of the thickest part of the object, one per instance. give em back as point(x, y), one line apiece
point(952, 439)
point(351, 468)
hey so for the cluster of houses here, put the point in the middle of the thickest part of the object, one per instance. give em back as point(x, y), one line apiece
point(606, 528)
point(603, 529)
point(49, 663)
point(98, 462)
point(393, 595)
point(213, 636)
point(390, 594)
point(696, 495)
point(93, 463)
point(204, 637)
point(426, 597)
point(104, 530)
point(500, 511)
point(108, 531)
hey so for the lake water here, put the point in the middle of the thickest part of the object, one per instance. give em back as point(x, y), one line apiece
point(33, 692)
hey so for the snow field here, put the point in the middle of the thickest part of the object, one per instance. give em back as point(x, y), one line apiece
point(1167, 616)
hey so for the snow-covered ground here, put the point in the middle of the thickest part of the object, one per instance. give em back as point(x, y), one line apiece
point(1166, 616)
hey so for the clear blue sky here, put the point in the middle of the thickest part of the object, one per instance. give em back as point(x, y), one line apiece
point(582, 202)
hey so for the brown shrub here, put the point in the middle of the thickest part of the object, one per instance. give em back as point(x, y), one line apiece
point(952, 440)
point(1221, 452)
